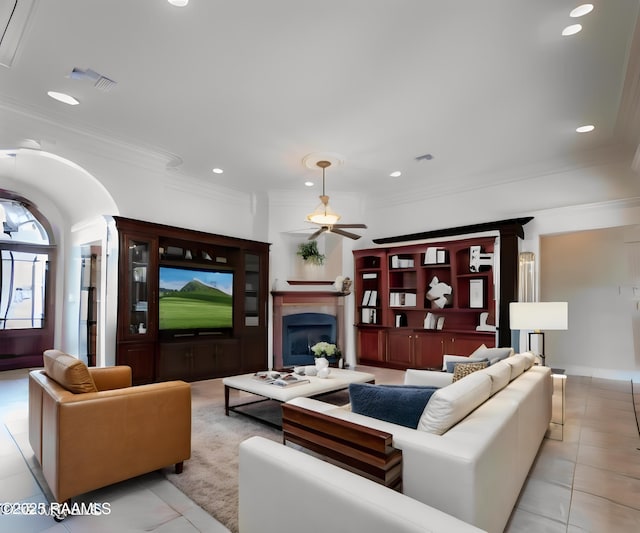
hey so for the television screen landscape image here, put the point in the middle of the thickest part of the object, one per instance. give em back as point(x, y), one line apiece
point(192, 299)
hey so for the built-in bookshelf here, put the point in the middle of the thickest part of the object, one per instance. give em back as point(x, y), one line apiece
point(417, 302)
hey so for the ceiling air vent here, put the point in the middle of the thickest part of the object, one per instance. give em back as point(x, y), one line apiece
point(14, 15)
point(99, 81)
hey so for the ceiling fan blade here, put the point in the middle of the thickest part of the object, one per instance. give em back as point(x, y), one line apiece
point(317, 233)
point(345, 233)
point(363, 226)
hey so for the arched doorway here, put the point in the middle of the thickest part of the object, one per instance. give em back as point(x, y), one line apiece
point(27, 271)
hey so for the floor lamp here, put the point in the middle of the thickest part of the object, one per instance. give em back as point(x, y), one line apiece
point(538, 316)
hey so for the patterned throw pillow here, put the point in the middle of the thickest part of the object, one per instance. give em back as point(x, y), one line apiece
point(464, 369)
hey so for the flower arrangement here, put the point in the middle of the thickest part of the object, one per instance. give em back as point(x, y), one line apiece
point(325, 349)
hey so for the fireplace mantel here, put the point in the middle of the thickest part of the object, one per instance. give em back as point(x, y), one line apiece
point(307, 295)
point(293, 302)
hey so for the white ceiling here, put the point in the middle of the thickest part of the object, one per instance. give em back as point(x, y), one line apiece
point(489, 88)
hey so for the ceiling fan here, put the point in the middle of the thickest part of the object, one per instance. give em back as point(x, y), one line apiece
point(326, 217)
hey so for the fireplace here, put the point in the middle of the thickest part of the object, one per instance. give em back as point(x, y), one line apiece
point(302, 318)
point(300, 332)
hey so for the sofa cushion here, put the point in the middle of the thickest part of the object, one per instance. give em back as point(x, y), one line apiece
point(478, 350)
point(448, 361)
point(398, 404)
point(451, 404)
point(462, 370)
point(427, 378)
point(492, 354)
point(531, 359)
point(500, 374)
point(69, 372)
point(518, 364)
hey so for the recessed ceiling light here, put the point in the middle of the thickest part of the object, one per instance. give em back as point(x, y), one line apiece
point(217, 170)
point(64, 98)
point(309, 184)
point(179, 3)
point(7, 153)
point(581, 10)
point(572, 30)
point(586, 128)
point(396, 174)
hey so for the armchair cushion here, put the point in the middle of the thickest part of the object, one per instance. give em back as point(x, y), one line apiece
point(69, 372)
point(398, 404)
point(111, 377)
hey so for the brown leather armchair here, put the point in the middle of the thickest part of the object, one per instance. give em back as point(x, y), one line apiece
point(90, 428)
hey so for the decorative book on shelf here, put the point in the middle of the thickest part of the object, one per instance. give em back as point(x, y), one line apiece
point(369, 298)
point(436, 256)
point(401, 262)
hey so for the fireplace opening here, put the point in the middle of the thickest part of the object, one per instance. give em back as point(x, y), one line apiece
point(301, 331)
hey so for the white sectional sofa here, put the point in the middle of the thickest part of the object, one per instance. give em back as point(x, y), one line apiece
point(475, 442)
point(283, 490)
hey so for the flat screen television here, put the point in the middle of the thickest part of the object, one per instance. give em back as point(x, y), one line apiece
point(195, 300)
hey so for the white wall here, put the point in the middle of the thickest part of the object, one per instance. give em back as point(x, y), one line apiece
point(590, 270)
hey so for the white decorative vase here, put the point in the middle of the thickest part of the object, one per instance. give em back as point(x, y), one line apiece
point(322, 362)
point(324, 372)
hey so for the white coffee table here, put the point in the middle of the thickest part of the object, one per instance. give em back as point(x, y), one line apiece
point(339, 379)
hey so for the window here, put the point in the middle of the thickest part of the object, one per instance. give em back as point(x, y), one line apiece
point(24, 250)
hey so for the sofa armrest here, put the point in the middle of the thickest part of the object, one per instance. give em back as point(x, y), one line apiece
point(428, 378)
point(360, 449)
point(111, 377)
point(333, 498)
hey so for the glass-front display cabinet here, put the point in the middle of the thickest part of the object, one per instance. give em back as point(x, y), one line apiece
point(252, 290)
point(139, 307)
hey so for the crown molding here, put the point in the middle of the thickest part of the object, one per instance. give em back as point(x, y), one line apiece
point(606, 155)
point(90, 139)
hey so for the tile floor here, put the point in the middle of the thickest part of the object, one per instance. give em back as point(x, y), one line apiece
point(588, 481)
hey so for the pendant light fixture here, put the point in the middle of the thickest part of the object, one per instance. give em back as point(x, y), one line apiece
point(323, 214)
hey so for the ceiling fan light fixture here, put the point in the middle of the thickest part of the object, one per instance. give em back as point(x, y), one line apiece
point(323, 214)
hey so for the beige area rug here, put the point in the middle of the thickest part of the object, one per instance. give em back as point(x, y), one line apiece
point(210, 477)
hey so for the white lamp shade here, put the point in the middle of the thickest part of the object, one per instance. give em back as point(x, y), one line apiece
point(539, 315)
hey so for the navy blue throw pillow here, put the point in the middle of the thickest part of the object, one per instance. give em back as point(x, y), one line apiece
point(398, 404)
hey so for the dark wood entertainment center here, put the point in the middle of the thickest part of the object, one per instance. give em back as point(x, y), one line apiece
point(187, 354)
